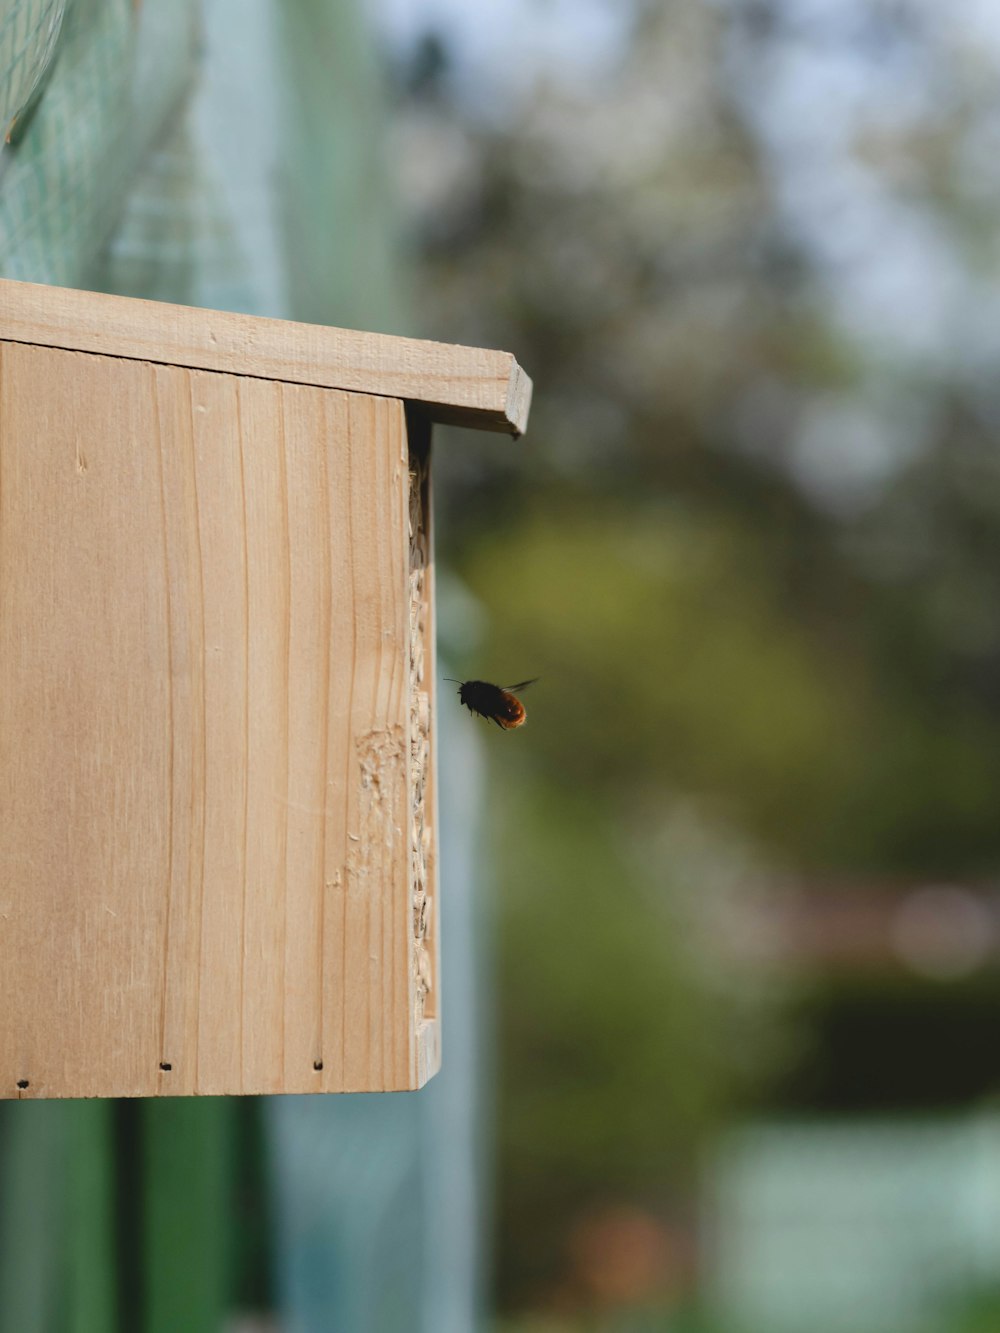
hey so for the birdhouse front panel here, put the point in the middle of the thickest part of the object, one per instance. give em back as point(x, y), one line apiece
point(217, 829)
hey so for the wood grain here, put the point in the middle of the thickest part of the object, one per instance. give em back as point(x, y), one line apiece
point(465, 386)
point(205, 712)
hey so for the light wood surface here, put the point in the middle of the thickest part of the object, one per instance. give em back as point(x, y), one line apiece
point(466, 386)
point(205, 733)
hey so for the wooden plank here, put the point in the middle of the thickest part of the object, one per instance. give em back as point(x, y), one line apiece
point(223, 645)
point(174, 432)
point(464, 386)
point(423, 749)
point(204, 734)
point(312, 791)
point(84, 741)
point(367, 844)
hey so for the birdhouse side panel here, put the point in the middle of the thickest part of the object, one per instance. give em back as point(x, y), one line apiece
point(206, 705)
point(424, 852)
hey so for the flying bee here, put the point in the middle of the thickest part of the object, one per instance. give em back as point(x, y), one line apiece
point(497, 703)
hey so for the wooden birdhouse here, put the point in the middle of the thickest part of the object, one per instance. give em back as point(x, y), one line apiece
point(218, 839)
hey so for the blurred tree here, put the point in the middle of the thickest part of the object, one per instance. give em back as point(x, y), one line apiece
point(752, 548)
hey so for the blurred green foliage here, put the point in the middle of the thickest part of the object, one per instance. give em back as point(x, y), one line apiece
point(669, 658)
point(751, 546)
point(598, 1061)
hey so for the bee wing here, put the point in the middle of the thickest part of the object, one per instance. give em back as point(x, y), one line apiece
point(522, 685)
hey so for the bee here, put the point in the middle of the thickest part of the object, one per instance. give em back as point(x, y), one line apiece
point(497, 703)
